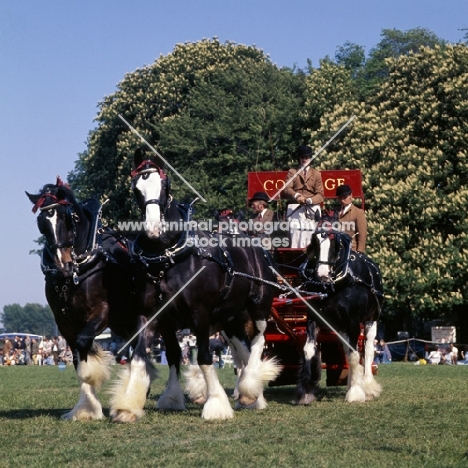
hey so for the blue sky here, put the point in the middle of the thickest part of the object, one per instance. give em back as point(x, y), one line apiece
point(60, 58)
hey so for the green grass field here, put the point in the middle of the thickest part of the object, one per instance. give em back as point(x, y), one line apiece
point(421, 420)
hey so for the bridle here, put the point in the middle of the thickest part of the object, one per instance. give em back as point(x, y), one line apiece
point(339, 262)
point(72, 219)
point(146, 168)
point(71, 216)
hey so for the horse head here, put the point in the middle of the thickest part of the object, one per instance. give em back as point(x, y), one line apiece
point(329, 250)
point(151, 187)
point(60, 221)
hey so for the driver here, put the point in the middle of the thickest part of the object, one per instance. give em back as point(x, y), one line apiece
point(306, 194)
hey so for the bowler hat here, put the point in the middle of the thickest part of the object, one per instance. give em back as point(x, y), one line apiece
point(343, 191)
point(304, 152)
point(260, 196)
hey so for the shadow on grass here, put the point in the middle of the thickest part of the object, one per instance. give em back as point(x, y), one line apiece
point(26, 413)
point(286, 395)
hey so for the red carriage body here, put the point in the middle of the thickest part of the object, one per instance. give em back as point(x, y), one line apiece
point(286, 331)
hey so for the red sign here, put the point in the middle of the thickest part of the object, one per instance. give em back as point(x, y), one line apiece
point(271, 182)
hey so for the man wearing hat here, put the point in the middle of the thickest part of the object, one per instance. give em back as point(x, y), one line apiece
point(262, 214)
point(353, 219)
point(305, 190)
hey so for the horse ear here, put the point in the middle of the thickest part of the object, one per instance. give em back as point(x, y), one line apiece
point(33, 198)
point(61, 193)
point(138, 157)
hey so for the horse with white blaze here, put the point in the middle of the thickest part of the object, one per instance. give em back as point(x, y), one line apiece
point(187, 278)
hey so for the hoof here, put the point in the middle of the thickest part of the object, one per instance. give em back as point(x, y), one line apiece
point(307, 399)
point(200, 400)
point(124, 417)
point(246, 401)
point(82, 416)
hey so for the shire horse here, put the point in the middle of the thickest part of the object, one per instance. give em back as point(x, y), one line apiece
point(186, 278)
point(354, 290)
point(87, 285)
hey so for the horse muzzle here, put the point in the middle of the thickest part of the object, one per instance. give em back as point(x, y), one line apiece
point(64, 261)
point(324, 273)
point(153, 230)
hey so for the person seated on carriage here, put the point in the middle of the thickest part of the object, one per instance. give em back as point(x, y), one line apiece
point(263, 218)
point(352, 219)
point(305, 193)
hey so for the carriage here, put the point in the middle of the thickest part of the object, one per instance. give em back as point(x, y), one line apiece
point(286, 331)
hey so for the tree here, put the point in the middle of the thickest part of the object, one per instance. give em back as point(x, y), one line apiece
point(351, 56)
point(410, 141)
point(394, 43)
point(32, 318)
point(326, 87)
point(215, 111)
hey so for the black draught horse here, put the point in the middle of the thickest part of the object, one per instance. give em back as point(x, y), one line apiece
point(354, 290)
point(186, 278)
point(87, 285)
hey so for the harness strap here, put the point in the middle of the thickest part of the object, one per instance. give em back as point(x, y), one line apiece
point(171, 254)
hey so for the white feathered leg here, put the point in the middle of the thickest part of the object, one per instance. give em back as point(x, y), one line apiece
point(373, 388)
point(256, 373)
point(129, 393)
point(91, 374)
point(217, 405)
point(195, 385)
point(356, 387)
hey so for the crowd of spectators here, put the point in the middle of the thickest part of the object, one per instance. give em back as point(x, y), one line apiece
point(55, 351)
point(28, 350)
